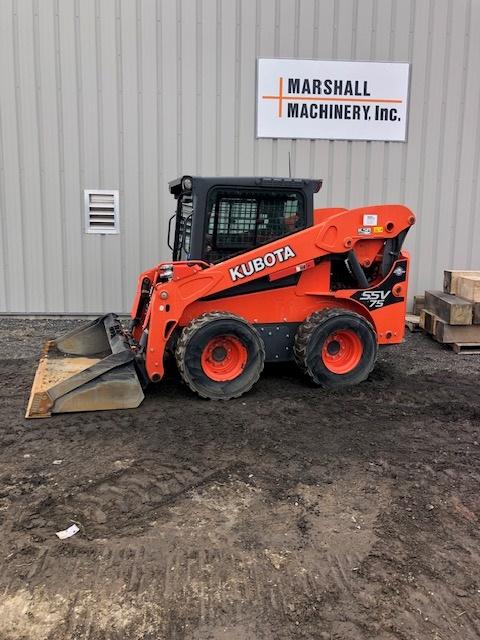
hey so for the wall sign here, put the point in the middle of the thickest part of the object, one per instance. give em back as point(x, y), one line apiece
point(332, 100)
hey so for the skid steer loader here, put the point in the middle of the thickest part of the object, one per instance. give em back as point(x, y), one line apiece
point(257, 275)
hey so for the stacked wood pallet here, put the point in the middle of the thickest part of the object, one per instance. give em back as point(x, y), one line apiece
point(452, 316)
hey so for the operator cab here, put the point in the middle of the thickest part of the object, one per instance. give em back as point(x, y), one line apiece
point(217, 218)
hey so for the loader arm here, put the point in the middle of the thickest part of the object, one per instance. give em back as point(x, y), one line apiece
point(157, 314)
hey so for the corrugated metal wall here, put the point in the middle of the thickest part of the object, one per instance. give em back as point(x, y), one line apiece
point(129, 94)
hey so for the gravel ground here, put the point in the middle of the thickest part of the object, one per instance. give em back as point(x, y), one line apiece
point(288, 513)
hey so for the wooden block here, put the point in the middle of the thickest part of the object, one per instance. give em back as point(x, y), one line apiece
point(466, 347)
point(449, 308)
point(476, 313)
point(428, 321)
point(447, 333)
point(418, 304)
point(469, 287)
point(412, 322)
point(421, 322)
point(451, 276)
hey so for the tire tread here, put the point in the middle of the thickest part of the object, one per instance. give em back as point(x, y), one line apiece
point(189, 331)
point(309, 326)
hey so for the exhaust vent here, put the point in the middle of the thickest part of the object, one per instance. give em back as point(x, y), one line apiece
point(101, 211)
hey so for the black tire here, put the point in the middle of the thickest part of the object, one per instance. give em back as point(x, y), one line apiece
point(193, 342)
point(316, 333)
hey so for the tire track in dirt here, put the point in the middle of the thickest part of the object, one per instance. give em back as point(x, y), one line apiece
point(289, 514)
point(213, 579)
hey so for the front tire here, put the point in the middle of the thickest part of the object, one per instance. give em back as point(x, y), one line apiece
point(220, 355)
point(336, 348)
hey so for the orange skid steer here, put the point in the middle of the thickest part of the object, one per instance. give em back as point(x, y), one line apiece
point(257, 275)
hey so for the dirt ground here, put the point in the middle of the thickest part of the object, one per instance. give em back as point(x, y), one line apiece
point(289, 513)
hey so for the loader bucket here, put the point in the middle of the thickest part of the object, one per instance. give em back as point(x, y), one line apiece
point(91, 368)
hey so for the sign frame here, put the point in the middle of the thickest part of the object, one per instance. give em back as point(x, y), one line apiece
point(329, 139)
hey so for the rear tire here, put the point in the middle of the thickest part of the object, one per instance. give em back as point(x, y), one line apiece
point(219, 355)
point(336, 348)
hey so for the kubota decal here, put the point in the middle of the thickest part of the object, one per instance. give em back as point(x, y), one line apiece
point(364, 231)
point(255, 265)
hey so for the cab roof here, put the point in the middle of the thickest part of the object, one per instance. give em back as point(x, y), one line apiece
point(177, 186)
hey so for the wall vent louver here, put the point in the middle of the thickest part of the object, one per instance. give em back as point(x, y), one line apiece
point(101, 211)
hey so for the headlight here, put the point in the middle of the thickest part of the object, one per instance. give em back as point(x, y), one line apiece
point(187, 184)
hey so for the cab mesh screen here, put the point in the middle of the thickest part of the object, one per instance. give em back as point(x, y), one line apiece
point(241, 220)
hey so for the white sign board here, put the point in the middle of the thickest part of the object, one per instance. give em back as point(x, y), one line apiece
point(333, 100)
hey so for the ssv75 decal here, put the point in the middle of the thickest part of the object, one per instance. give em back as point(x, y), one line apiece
point(374, 299)
point(255, 265)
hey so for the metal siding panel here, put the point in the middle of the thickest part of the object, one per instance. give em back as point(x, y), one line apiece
point(91, 145)
point(432, 139)
point(364, 32)
point(198, 130)
point(399, 51)
point(131, 134)
point(247, 89)
point(48, 93)
point(347, 12)
point(460, 131)
point(375, 151)
point(109, 160)
point(377, 154)
point(50, 131)
point(128, 95)
point(188, 84)
point(123, 280)
point(305, 48)
point(228, 105)
point(170, 154)
point(208, 87)
point(153, 242)
point(306, 28)
point(28, 127)
point(287, 47)
point(169, 74)
point(443, 201)
point(403, 172)
point(475, 230)
point(468, 173)
point(266, 49)
point(12, 213)
point(473, 216)
point(237, 95)
point(325, 30)
point(341, 153)
point(4, 285)
point(70, 152)
point(360, 149)
point(473, 250)
point(419, 86)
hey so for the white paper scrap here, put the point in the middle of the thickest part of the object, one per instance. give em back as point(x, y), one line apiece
point(68, 533)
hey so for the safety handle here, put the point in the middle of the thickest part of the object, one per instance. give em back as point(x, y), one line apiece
point(169, 230)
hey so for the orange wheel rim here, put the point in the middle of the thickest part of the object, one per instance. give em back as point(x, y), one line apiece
point(342, 351)
point(224, 358)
